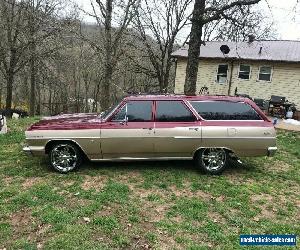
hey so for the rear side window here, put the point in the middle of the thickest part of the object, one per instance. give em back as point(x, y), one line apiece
point(137, 111)
point(222, 110)
point(173, 111)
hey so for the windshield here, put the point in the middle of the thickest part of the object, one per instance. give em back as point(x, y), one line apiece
point(107, 112)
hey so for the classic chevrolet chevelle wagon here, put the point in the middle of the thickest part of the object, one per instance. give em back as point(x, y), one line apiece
point(208, 129)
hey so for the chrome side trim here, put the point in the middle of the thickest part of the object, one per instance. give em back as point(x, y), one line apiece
point(228, 137)
point(175, 137)
point(272, 151)
point(181, 137)
point(34, 149)
point(236, 137)
point(234, 120)
point(144, 159)
point(27, 150)
point(60, 138)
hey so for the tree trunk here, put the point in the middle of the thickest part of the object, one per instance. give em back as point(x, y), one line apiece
point(96, 97)
point(108, 70)
point(167, 75)
point(50, 102)
point(64, 100)
point(1, 90)
point(86, 104)
point(38, 107)
point(194, 48)
point(160, 80)
point(105, 89)
point(9, 89)
point(32, 63)
point(32, 86)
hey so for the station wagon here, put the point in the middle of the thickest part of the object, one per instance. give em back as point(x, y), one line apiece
point(207, 129)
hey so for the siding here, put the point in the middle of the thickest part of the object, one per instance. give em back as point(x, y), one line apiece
point(285, 79)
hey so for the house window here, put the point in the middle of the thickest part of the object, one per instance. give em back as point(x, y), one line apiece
point(222, 73)
point(244, 72)
point(265, 73)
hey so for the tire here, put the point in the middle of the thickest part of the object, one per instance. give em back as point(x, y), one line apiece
point(212, 160)
point(65, 157)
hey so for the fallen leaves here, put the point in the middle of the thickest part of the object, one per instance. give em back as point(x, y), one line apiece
point(86, 219)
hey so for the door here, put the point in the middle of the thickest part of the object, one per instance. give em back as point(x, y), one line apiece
point(236, 126)
point(177, 130)
point(129, 133)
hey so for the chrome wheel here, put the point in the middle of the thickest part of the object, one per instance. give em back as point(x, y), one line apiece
point(213, 159)
point(64, 157)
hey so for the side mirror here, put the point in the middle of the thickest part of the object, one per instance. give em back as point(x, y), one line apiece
point(102, 113)
point(125, 121)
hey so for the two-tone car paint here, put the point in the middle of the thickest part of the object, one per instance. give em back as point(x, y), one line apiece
point(103, 139)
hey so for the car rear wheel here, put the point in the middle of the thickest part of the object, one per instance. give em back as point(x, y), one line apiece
point(212, 160)
point(65, 157)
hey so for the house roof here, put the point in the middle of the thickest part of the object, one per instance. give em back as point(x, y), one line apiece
point(279, 50)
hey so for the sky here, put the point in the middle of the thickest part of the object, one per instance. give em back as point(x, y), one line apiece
point(283, 13)
point(286, 18)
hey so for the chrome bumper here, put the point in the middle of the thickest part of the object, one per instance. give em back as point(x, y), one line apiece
point(272, 151)
point(27, 150)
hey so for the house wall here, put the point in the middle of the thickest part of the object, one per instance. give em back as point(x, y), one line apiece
point(285, 79)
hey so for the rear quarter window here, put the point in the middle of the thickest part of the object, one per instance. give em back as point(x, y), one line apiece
point(225, 110)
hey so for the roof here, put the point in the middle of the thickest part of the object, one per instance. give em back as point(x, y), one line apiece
point(279, 50)
point(184, 97)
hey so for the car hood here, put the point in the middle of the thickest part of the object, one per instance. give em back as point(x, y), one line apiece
point(68, 121)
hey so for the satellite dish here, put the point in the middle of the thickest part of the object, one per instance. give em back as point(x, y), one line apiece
point(225, 49)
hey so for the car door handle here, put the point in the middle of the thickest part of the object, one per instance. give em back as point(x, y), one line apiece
point(148, 128)
point(195, 129)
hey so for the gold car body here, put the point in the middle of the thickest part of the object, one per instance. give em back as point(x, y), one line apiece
point(102, 139)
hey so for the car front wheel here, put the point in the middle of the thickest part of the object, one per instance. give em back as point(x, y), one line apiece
point(212, 160)
point(65, 157)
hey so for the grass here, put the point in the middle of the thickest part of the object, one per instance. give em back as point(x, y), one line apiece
point(160, 205)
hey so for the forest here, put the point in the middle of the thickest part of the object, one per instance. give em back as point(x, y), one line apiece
point(53, 60)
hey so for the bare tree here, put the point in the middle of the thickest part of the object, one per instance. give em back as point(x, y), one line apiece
point(158, 23)
point(113, 19)
point(206, 12)
point(242, 23)
point(43, 28)
point(13, 45)
point(27, 26)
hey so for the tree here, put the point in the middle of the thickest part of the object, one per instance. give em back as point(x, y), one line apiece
point(206, 12)
point(248, 21)
point(26, 26)
point(158, 23)
point(13, 45)
point(43, 28)
point(113, 19)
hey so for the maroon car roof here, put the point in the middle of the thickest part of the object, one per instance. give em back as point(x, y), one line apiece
point(198, 98)
point(184, 97)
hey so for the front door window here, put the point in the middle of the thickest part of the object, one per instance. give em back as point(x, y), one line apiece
point(135, 111)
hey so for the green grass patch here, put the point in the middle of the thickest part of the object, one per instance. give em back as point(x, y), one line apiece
point(152, 204)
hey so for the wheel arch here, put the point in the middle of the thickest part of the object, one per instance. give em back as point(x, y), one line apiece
point(228, 150)
point(51, 143)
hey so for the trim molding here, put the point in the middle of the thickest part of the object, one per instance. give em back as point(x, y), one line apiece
point(144, 159)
